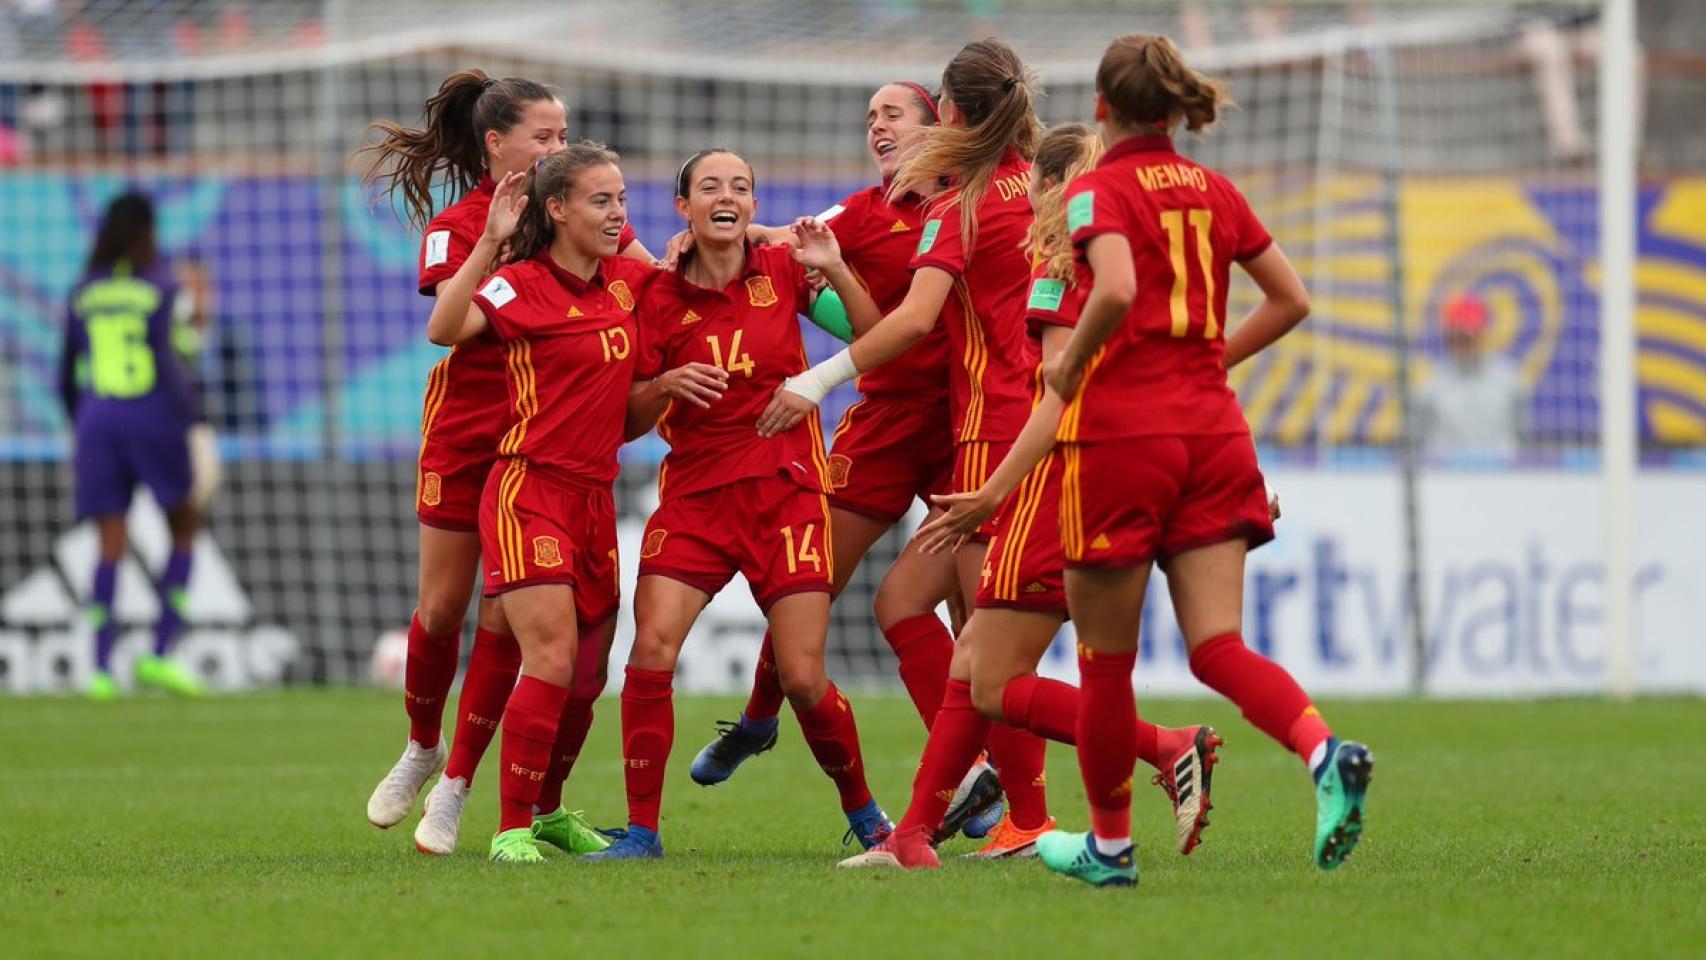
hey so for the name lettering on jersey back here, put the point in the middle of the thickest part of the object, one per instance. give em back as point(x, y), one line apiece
point(1017, 185)
point(1169, 176)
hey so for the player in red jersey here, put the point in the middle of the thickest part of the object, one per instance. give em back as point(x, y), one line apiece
point(1160, 467)
point(970, 268)
point(476, 129)
point(730, 500)
point(563, 307)
point(888, 449)
point(1022, 602)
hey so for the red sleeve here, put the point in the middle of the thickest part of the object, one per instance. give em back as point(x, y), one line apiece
point(941, 244)
point(444, 248)
point(628, 236)
point(1092, 210)
point(653, 339)
point(793, 273)
point(500, 299)
point(848, 225)
point(1253, 238)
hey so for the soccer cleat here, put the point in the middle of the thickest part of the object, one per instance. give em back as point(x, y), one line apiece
point(1008, 842)
point(569, 832)
point(909, 850)
point(102, 687)
point(985, 823)
point(869, 825)
point(516, 846)
point(441, 817)
point(1186, 779)
point(637, 844)
point(736, 741)
point(395, 796)
point(1340, 793)
point(170, 676)
point(1074, 855)
point(980, 790)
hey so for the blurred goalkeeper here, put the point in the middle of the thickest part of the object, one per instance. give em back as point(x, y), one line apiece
point(132, 409)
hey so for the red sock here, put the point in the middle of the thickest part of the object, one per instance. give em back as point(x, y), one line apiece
point(765, 701)
point(1266, 694)
point(648, 731)
point(572, 729)
point(529, 727)
point(1017, 756)
point(924, 647)
point(427, 675)
point(956, 739)
point(1047, 708)
point(1107, 738)
point(833, 737)
point(492, 667)
point(1149, 743)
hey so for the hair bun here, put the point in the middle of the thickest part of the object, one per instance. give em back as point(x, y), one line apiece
point(487, 84)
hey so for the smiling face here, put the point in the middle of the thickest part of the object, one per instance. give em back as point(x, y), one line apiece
point(894, 110)
point(591, 216)
point(718, 204)
point(543, 129)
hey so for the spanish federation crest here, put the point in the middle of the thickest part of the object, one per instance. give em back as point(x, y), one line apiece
point(432, 489)
point(546, 552)
point(759, 292)
point(621, 294)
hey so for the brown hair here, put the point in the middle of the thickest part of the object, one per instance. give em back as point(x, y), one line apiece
point(997, 94)
point(451, 139)
point(126, 234)
point(1144, 80)
point(553, 177)
point(1066, 153)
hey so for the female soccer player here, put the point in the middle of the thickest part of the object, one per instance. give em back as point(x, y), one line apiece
point(563, 307)
point(891, 446)
point(731, 500)
point(130, 406)
point(1159, 462)
point(969, 267)
point(1021, 603)
point(477, 130)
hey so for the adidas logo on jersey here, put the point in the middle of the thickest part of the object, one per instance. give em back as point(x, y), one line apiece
point(899, 226)
point(689, 318)
point(575, 312)
point(1035, 587)
point(1101, 542)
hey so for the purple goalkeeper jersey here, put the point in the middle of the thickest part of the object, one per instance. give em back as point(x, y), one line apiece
point(119, 365)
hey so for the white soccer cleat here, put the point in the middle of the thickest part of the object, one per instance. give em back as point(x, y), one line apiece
point(877, 858)
point(441, 818)
point(395, 796)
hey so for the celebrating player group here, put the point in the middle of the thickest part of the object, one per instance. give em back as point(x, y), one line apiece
point(1037, 322)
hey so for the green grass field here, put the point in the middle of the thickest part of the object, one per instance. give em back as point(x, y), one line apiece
point(236, 828)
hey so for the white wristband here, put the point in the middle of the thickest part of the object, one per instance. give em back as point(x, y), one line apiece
point(815, 384)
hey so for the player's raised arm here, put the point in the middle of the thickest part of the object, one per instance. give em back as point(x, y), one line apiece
point(454, 316)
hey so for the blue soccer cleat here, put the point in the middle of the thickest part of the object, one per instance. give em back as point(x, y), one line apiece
point(984, 823)
point(736, 741)
point(637, 843)
point(869, 825)
point(1075, 855)
point(1341, 793)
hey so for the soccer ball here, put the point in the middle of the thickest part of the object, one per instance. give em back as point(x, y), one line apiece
point(390, 654)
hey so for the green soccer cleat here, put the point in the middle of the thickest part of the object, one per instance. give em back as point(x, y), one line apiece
point(1074, 855)
point(168, 675)
point(102, 687)
point(569, 832)
point(1340, 793)
point(516, 846)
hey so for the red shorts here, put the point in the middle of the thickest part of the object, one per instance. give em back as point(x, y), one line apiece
point(448, 482)
point(769, 529)
point(1025, 569)
point(537, 527)
point(889, 449)
point(974, 460)
point(1127, 502)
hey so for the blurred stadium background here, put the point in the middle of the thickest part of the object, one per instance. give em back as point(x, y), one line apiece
point(1428, 166)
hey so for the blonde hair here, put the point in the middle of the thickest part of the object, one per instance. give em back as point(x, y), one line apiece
point(1068, 152)
point(1144, 80)
point(997, 94)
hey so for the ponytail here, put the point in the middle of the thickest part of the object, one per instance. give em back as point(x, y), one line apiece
point(1068, 151)
point(1144, 81)
point(997, 94)
point(451, 141)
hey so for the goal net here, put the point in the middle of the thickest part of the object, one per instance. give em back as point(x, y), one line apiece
point(1430, 169)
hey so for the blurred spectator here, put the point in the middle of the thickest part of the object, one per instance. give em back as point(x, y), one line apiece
point(1474, 403)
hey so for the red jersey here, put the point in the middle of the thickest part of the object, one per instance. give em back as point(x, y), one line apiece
point(985, 311)
point(466, 391)
point(877, 240)
point(569, 351)
point(1054, 303)
point(1160, 372)
point(750, 328)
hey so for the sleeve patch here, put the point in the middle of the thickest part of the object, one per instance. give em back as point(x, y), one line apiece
point(928, 238)
point(437, 248)
point(1081, 211)
point(1046, 294)
point(498, 292)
